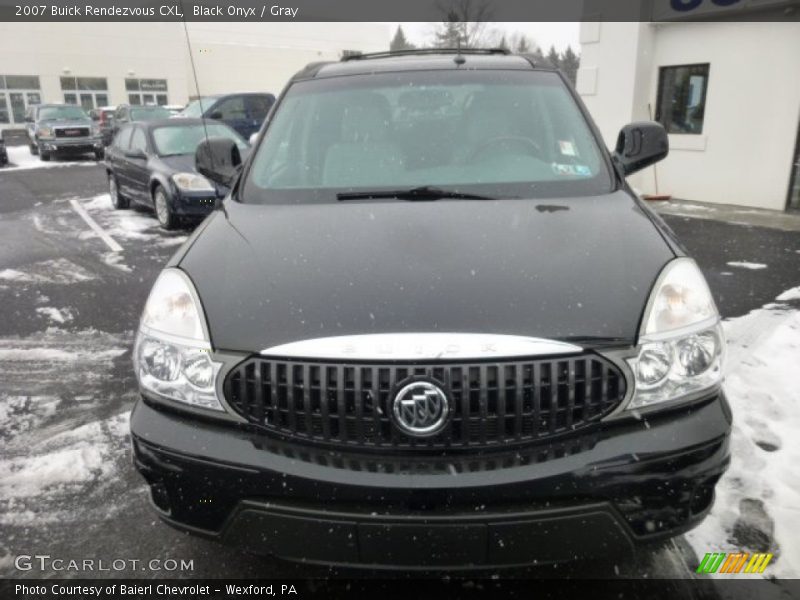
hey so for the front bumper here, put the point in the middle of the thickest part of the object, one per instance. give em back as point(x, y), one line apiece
point(630, 482)
point(193, 204)
point(76, 145)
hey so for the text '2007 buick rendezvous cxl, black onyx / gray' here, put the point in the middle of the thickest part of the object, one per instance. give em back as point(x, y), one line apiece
point(431, 326)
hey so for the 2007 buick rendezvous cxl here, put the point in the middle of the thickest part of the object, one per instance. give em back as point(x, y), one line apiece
point(431, 326)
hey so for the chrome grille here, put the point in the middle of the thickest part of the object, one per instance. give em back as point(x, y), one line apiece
point(492, 403)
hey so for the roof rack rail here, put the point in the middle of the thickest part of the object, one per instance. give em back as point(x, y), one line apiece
point(412, 52)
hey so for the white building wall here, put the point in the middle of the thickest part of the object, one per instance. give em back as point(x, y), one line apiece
point(263, 56)
point(752, 112)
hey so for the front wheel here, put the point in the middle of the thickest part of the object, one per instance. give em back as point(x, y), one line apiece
point(44, 154)
point(33, 148)
point(163, 210)
point(117, 200)
point(99, 154)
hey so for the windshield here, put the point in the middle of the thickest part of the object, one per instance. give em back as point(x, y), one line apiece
point(183, 139)
point(196, 108)
point(62, 113)
point(490, 133)
point(149, 114)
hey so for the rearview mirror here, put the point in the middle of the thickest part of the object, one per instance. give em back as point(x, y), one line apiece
point(640, 145)
point(218, 159)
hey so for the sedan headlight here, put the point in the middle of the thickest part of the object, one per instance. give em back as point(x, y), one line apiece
point(172, 351)
point(192, 182)
point(681, 343)
point(45, 132)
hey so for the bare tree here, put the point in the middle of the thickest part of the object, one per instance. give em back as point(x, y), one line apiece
point(463, 23)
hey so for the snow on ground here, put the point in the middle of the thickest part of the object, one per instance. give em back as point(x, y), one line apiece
point(20, 157)
point(747, 265)
point(758, 500)
point(59, 270)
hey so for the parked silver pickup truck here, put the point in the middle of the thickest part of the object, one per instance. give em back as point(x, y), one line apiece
point(60, 129)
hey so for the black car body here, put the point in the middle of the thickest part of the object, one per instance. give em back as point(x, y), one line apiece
point(61, 129)
point(389, 350)
point(244, 111)
point(3, 151)
point(146, 167)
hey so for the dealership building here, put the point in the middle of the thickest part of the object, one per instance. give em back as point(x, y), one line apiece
point(727, 92)
point(101, 64)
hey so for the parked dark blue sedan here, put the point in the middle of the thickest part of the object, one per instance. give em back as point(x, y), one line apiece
point(152, 163)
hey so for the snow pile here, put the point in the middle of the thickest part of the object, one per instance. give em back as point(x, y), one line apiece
point(57, 315)
point(20, 157)
point(130, 224)
point(758, 500)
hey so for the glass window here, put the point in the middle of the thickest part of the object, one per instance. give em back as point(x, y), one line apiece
point(123, 139)
point(87, 102)
point(138, 140)
point(150, 113)
point(258, 106)
point(102, 99)
point(148, 99)
point(183, 139)
point(231, 108)
point(2, 82)
point(34, 98)
point(3, 109)
point(153, 85)
point(196, 108)
point(22, 82)
point(682, 98)
point(68, 83)
point(62, 112)
point(92, 83)
point(132, 85)
point(161, 100)
point(71, 98)
point(492, 133)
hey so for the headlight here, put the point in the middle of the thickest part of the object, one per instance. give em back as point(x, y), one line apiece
point(172, 351)
point(45, 132)
point(192, 182)
point(681, 344)
point(95, 130)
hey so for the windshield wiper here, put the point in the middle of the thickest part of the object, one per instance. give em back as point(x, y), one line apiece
point(425, 192)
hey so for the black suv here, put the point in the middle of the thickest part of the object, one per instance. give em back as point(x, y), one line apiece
point(431, 326)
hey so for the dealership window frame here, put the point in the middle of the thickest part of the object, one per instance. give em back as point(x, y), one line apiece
point(668, 118)
point(147, 91)
point(85, 91)
point(25, 90)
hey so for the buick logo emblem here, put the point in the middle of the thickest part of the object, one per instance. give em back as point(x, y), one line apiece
point(420, 408)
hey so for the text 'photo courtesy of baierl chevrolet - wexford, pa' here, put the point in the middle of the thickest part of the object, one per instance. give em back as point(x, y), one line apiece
point(435, 298)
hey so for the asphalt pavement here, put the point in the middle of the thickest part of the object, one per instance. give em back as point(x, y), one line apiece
point(69, 306)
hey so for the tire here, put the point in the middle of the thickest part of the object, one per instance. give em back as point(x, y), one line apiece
point(118, 201)
point(44, 155)
point(33, 148)
point(99, 154)
point(164, 212)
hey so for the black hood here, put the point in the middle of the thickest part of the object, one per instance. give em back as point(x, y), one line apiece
point(179, 163)
point(559, 269)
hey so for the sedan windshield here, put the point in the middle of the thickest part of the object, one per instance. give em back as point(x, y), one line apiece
point(62, 113)
point(484, 134)
point(183, 139)
point(150, 114)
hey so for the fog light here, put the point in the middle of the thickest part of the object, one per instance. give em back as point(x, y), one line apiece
point(160, 360)
point(655, 361)
point(696, 353)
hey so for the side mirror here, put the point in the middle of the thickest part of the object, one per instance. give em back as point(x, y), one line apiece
point(640, 145)
point(135, 154)
point(218, 159)
point(216, 115)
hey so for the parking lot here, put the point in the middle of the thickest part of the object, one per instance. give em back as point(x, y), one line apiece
point(70, 305)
